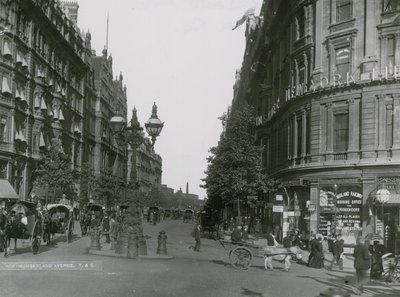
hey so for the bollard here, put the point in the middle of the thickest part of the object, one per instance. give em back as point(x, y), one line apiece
point(95, 239)
point(334, 292)
point(122, 244)
point(132, 251)
point(162, 243)
point(142, 246)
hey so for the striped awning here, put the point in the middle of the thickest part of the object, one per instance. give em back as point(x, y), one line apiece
point(6, 190)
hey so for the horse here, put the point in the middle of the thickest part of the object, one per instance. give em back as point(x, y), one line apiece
point(281, 254)
point(14, 229)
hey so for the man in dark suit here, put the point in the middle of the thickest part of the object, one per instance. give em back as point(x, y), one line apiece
point(337, 252)
point(362, 263)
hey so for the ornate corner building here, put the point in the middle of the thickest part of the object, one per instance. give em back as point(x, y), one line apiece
point(54, 87)
point(324, 78)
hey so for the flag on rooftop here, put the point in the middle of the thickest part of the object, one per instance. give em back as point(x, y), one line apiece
point(248, 13)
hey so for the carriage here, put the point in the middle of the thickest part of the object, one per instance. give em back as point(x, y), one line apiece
point(59, 219)
point(188, 215)
point(24, 222)
point(242, 253)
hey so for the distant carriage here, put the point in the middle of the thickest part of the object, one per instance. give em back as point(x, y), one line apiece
point(188, 215)
point(24, 222)
point(59, 219)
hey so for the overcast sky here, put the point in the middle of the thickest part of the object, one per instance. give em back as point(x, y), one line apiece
point(181, 54)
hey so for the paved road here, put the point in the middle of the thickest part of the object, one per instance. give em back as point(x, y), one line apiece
point(189, 273)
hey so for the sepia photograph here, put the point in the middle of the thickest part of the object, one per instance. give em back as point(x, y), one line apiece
point(195, 148)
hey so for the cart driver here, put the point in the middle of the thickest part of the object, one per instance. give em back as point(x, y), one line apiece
point(236, 235)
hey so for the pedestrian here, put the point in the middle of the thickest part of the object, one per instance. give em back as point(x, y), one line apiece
point(362, 262)
point(113, 231)
point(287, 240)
point(296, 241)
point(197, 238)
point(337, 252)
point(311, 244)
point(317, 260)
point(377, 250)
point(105, 227)
point(236, 235)
point(245, 233)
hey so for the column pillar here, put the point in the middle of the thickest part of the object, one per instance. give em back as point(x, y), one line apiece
point(318, 39)
point(370, 46)
point(354, 129)
point(329, 132)
point(381, 127)
point(304, 136)
point(396, 127)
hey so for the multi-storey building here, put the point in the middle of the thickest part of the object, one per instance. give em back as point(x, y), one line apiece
point(53, 87)
point(324, 78)
point(42, 71)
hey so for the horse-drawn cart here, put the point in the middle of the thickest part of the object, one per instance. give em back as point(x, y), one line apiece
point(24, 223)
point(59, 219)
point(242, 253)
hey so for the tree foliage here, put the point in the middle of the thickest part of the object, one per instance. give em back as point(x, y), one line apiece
point(234, 167)
point(109, 188)
point(87, 183)
point(54, 172)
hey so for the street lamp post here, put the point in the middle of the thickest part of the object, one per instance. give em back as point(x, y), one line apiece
point(132, 134)
point(154, 125)
point(382, 196)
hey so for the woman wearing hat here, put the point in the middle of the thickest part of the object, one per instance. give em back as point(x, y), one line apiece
point(317, 260)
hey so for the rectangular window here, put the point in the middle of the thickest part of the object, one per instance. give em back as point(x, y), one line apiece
point(299, 136)
point(3, 130)
point(341, 132)
point(389, 126)
point(3, 169)
point(390, 5)
point(291, 137)
point(343, 10)
point(342, 62)
point(308, 134)
point(390, 54)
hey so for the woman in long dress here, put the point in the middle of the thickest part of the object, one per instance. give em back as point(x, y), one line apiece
point(318, 255)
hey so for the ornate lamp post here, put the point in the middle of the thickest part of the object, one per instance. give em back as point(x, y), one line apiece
point(131, 239)
point(154, 125)
point(382, 196)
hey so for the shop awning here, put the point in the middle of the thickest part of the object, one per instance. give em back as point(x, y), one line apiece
point(6, 190)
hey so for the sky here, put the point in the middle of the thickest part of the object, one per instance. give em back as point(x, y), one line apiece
point(181, 54)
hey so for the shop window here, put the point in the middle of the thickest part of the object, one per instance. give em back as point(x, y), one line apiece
point(341, 132)
point(391, 5)
point(389, 126)
point(390, 54)
point(343, 10)
point(342, 61)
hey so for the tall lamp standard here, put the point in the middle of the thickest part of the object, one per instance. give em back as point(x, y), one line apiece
point(382, 196)
point(132, 231)
point(154, 125)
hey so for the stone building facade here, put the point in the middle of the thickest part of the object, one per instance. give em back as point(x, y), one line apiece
point(324, 78)
point(53, 86)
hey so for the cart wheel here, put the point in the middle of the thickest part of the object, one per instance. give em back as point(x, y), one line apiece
point(240, 258)
point(70, 229)
point(36, 234)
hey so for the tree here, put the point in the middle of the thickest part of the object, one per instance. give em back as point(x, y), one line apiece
point(234, 167)
point(87, 182)
point(54, 171)
point(109, 188)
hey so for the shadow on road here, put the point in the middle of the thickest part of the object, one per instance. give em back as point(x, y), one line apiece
point(345, 282)
point(251, 293)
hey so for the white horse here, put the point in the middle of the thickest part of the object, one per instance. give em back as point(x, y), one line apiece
point(280, 254)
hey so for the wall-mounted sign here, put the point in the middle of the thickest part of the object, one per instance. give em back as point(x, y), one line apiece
point(277, 208)
point(349, 205)
point(279, 198)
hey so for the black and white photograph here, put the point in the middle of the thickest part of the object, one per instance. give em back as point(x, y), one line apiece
point(195, 148)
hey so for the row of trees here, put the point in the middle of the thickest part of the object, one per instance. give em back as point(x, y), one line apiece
point(54, 173)
point(234, 169)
